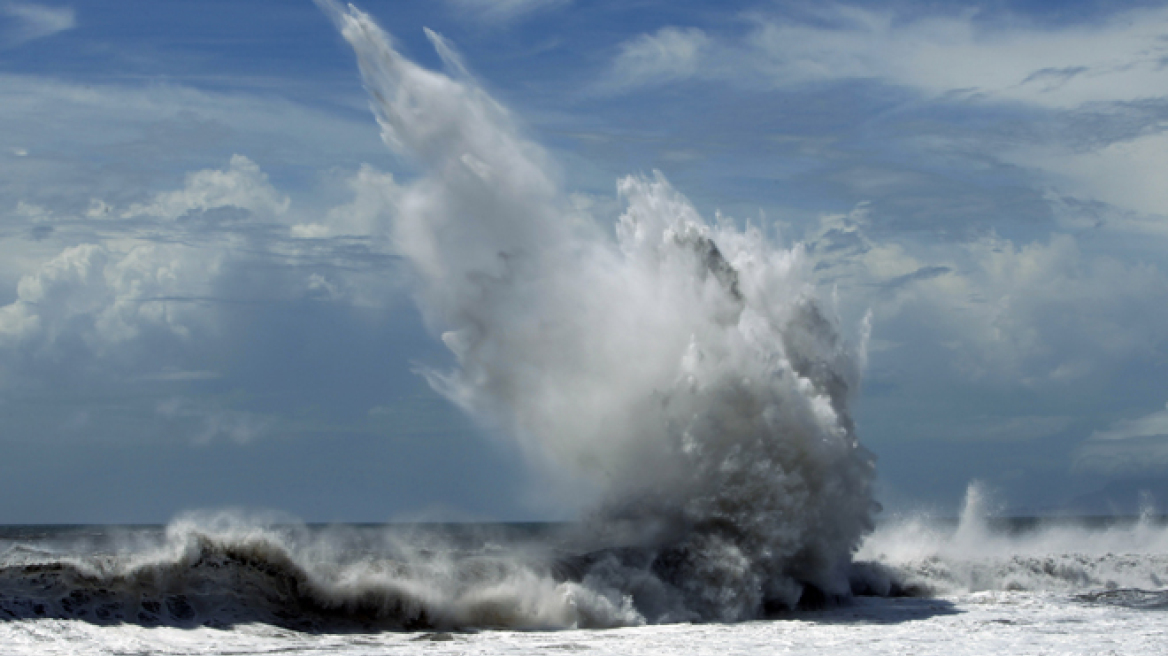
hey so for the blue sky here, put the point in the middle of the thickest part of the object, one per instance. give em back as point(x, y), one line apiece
point(200, 306)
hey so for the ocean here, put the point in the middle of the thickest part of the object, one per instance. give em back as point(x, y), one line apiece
point(682, 374)
point(225, 584)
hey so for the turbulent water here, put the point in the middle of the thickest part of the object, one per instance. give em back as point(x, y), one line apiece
point(223, 584)
point(679, 373)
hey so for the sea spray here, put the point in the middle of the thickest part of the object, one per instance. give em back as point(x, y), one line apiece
point(683, 373)
point(223, 570)
point(928, 556)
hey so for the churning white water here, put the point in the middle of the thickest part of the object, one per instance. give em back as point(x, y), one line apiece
point(223, 585)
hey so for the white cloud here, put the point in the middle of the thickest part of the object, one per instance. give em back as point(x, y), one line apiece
point(169, 267)
point(171, 374)
point(1152, 425)
point(1042, 313)
point(1115, 59)
point(28, 22)
point(108, 292)
point(1127, 174)
point(159, 296)
point(502, 11)
point(105, 296)
point(374, 195)
point(242, 185)
point(669, 54)
point(68, 285)
point(127, 141)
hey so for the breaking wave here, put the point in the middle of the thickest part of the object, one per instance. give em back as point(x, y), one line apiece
point(681, 375)
point(222, 572)
point(1104, 560)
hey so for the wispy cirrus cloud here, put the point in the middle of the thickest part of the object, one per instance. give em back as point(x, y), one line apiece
point(1151, 425)
point(943, 54)
point(1128, 445)
point(502, 11)
point(24, 22)
point(668, 54)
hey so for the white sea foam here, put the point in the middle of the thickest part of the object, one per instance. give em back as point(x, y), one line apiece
point(1055, 555)
point(223, 570)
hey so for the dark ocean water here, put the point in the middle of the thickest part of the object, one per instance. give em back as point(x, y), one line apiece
point(225, 571)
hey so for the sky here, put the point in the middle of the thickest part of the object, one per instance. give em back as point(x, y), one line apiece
point(200, 306)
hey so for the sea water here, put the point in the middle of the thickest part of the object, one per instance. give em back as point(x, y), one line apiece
point(227, 585)
point(683, 374)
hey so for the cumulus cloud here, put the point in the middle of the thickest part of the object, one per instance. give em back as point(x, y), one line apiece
point(28, 21)
point(1040, 313)
point(106, 295)
point(151, 301)
point(374, 195)
point(109, 291)
point(242, 185)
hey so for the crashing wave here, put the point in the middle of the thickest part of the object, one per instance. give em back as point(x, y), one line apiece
point(1057, 556)
point(202, 575)
point(682, 375)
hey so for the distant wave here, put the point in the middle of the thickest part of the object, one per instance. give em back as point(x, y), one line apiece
point(1057, 556)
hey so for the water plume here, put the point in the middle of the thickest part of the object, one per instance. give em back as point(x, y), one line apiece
point(684, 373)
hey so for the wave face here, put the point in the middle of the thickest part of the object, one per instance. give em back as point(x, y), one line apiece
point(680, 373)
point(222, 571)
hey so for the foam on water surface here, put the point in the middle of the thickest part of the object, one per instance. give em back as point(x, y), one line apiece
point(1066, 587)
point(1013, 623)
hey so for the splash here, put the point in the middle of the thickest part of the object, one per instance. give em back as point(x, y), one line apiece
point(1113, 557)
point(223, 571)
point(683, 374)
